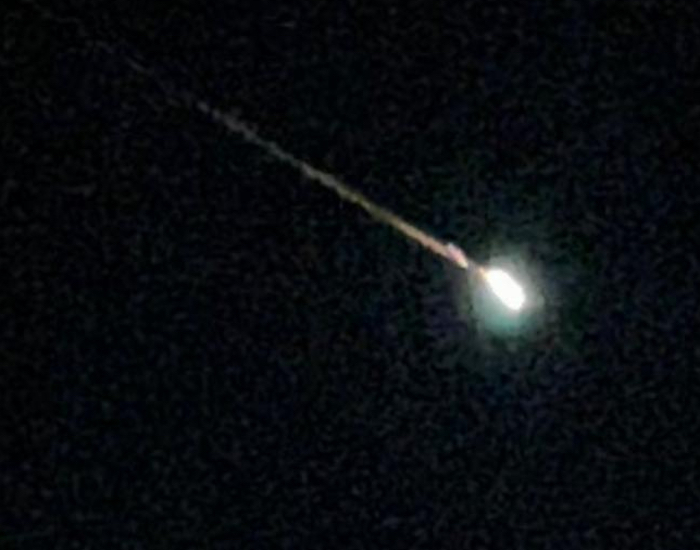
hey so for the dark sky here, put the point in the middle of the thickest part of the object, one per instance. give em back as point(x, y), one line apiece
point(201, 349)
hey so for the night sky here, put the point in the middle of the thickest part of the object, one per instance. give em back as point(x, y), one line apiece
point(200, 348)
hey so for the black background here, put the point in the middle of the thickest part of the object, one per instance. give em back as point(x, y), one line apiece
point(201, 349)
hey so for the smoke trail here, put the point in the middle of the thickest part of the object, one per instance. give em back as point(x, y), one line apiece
point(382, 215)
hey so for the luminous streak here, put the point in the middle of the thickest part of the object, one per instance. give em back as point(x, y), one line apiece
point(511, 293)
point(448, 251)
point(500, 282)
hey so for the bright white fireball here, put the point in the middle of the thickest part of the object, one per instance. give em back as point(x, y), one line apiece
point(506, 288)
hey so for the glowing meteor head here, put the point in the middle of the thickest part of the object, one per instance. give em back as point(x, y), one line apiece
point(505, 288)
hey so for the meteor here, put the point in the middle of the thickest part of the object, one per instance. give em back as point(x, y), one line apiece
point(497, 280)
point(500, 283)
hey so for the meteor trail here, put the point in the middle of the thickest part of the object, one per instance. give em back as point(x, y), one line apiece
point(501, 283)
point(447, 250)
